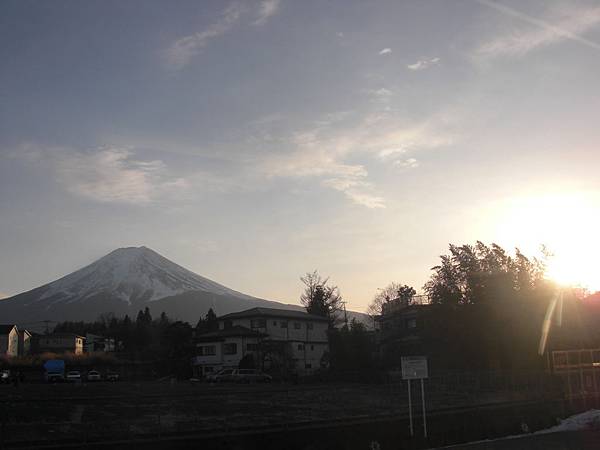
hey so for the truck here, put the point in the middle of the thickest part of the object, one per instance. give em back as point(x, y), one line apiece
point(55, 370)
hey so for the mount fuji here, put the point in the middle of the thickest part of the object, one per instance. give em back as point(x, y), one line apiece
point(123, 282)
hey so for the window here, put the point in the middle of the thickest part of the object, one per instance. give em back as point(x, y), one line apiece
point(227, 325)
point(230, 348)
point(309, 325)
point(308, 366)
point(411, 323)
point(274, 323)
point(297, 325)
point(258, 323)
point(283, 324)
point(300, 346)
point(252, 347)
point(312, 347)
point(208, 350)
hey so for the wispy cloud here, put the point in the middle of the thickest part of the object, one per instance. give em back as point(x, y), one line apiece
point(184, 49)
point(357, 191)
point(322, 152)
point(385, 51)
point(381, 92)
point(114, 175)
point(409, 163)
point(423, 64)
point(266, 10)
point(556, 26)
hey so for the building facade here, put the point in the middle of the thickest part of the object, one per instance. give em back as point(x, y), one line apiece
point(96, 343)
point(401, 328)
point(9, 340)
point(24, 342)
point(60, 343)
point(273, 339)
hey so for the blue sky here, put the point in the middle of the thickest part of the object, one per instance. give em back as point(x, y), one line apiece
point(255, 141)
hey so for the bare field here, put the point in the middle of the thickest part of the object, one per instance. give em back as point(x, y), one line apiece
point(91, 411)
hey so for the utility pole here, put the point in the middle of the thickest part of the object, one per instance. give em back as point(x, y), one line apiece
point(345, 314)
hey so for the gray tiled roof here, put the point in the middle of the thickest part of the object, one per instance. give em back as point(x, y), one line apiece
point(273, 312)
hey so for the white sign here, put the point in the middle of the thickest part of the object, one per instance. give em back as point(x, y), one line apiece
point(414, 367)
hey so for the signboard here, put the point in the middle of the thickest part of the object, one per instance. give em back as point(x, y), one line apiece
point(414, 367)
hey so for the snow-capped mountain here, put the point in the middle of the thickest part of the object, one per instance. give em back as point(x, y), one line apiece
point(123, 282)
point(132, 274)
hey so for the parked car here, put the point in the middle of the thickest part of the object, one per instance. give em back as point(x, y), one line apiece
point(4, 376)
point(250, 376)
point(112, 376)
point(94, 375)
point(73, 376)
point(221, 375)
point(55, 377)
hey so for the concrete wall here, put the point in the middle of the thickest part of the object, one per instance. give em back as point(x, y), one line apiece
point(60, 343)
point(288, 329)
point(220, 359)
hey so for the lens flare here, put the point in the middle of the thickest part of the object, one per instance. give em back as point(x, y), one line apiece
point(566, 224)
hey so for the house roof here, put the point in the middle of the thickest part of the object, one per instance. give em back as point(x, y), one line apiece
point(6, 328)
point(235, 331)
point(273, 312)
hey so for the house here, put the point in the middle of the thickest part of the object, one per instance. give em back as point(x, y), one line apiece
point(96, 343)
point(273, 339)
point(24, 342)
point(401, 327)
point(59, 343)
point(9, 340)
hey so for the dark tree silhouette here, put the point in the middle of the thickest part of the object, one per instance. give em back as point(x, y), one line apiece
point(391, 292)
point(319, 297)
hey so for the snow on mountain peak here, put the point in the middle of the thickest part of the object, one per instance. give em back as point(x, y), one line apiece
point(132, 273)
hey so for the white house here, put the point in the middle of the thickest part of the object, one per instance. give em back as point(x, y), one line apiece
point(9, 340)
point(277, 339)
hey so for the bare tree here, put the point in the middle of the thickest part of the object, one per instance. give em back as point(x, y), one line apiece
point(319, 297)
point(390, 292)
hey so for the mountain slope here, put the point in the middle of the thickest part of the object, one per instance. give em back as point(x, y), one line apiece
point(123, 282)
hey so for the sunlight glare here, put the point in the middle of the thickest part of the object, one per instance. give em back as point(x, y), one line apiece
point(567, 224)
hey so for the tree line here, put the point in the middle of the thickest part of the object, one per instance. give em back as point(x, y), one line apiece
point(485, 310)
point(145, 337)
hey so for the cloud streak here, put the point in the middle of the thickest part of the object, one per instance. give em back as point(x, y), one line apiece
point(385, 51)
point(322, 151)
point(113, 175)
point(185, 49)
point(266, 10)
point(569, 26)
point(423, 64)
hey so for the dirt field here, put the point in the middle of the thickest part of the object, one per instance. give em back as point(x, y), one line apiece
point(83, 411)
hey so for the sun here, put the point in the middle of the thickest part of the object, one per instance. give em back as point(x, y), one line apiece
point(567, 224)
